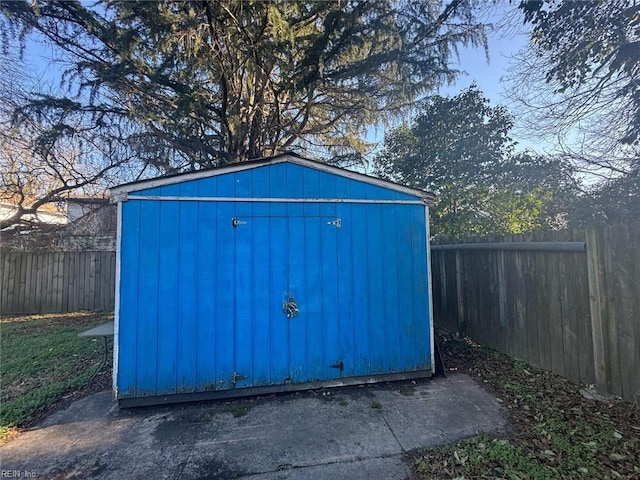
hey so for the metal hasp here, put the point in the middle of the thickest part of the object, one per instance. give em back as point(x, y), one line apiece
point(235, 222)
point(290, 308)
point(235, 377)
point(336, 223)
point(339, 365)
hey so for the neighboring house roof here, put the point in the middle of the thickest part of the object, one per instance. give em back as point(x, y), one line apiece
point(119, 193)
point(60, 212)
point(47, 213)
point(10, 199)
point(86, 200)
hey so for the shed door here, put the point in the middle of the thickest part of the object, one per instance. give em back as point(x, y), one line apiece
point(313, 285)
point(287, 325)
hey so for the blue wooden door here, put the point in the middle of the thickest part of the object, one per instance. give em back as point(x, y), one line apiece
point(261, 329)
point(320, 297)
point(287, 312)
point(313, 285)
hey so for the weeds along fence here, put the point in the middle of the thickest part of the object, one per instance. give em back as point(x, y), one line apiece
point(56, 282)
point(568, 302)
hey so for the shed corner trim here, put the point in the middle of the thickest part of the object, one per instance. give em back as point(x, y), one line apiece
point(118, 196)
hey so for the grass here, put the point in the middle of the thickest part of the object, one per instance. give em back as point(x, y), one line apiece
point(42, 360)
point(556, 433)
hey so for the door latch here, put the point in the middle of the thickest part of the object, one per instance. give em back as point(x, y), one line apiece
point(336, 223)
point(235, 377)
point(235, 222)
point(339, 365)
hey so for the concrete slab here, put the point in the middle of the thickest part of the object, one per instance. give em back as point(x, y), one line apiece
point(351, 433)
point(455, 408)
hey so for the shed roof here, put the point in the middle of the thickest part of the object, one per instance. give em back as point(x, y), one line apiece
point(119, 191)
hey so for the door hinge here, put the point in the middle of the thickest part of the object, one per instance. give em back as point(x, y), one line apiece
point(336, 223)
point(339, 365)
point(235, 377)
point(235, 222)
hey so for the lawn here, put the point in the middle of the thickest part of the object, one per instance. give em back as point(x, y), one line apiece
point(556, 433)
point(43, 364)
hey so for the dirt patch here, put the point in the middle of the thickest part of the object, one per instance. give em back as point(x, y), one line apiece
point(47, 322)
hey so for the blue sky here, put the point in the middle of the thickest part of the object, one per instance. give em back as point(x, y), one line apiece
point(490, 74)
point(507, 39)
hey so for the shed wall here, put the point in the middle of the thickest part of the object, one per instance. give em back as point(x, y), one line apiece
point(201, 301)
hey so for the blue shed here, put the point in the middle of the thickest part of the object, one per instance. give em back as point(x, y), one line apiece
point(271, 275)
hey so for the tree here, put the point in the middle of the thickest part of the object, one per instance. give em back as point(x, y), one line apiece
point(578, 81)
point(216, 81)
point(40, 165)
point(460, 149)
point(35, 173)
point(590, 52)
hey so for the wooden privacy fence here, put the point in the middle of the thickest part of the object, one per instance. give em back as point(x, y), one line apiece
point(56, 282)
point(570, 304)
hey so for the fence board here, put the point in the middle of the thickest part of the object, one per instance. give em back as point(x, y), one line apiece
point(569, 324)
point(542, 312)
point(529, 303)
point(92, 276)
point(626, 297)
point(56, 282)
point(76, 279)
point(101, 287)
point(65, 283)
point(611, 283)
point(28, 291)
point(634, 236)
point(575, 314)
point(20, 280)
point(579, 276)
point(4, 261)
point(520, 334)
point(11, 272)
point(47, 282)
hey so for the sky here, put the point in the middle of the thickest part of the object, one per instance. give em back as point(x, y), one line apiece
point(489, 74)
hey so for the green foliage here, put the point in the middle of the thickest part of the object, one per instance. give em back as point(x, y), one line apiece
point(612, 201)
point(460, 149)
point(496, 458)
point(206, 83)
point(41, 359)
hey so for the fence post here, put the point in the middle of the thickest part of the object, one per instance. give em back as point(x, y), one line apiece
point(595, 306)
